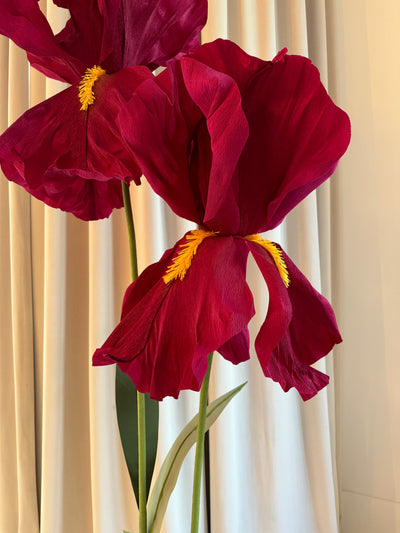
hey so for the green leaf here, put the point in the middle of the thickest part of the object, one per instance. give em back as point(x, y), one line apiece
point(126, 400)
point(171, 466)
point(124, 531)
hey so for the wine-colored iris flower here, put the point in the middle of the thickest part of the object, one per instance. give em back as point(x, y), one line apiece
point(67, 150)
point(236, 143)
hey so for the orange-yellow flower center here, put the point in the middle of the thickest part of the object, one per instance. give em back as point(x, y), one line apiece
point(86, 94)
point(182, 261)
point(275, 253)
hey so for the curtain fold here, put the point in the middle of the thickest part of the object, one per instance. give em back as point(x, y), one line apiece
point(19, 485)
point(272, 457)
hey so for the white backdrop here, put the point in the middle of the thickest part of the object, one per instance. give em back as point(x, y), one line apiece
point(273, 458)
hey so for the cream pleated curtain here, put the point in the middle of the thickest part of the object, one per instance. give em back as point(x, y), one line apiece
point(273, 457)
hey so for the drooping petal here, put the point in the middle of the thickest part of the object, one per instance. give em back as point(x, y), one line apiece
point(297, 135)
point(167, 330)
point(24, 23)
point(58, 152)
point(237, 349)
point(313, 327)
point(154, 31)
point(279, 312)
point(87, 199)
point(307, 334)
point(289, 372)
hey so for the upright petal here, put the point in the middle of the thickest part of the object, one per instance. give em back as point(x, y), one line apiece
point(154, 31)
point(24, 23)
point(219, 99)
point(83, 34)
point(58, 152)
point(166, 333)
point(228, 58)
point(192, 116)
point(297, 135)
point(162, 127)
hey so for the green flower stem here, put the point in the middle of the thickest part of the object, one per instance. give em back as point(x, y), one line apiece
point(198, 463)
point(142, 462)
point(140, 397)
point(131, 230)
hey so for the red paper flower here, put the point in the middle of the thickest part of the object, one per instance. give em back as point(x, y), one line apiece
point(66, 151)
point(236, 143)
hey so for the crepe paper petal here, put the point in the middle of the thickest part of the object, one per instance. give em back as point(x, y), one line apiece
point(279, 312)
point(209, 306)
point(24, 23)
point(154, 31)
point(84, 150)
point(228, 58)
point(237, 349)
point(313, 327)
point(197, 188)
point(83, 35)
point(219, 99)
point(289, 372)
point(307, 334)
point(106, 149)
point(144, 296)
point(166, 164)
point(87, 199)
point(297, 135)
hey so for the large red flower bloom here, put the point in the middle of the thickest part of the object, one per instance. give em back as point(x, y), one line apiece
point(65, 151)
point(236, 143)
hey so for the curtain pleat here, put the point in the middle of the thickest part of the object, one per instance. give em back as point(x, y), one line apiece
point(54, 337)
point(21, 485)
point(63, 280)
point(111, 510)
point(8, 478)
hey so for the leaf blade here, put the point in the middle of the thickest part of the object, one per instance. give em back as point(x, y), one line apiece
point(126, 403)
point(170, 468)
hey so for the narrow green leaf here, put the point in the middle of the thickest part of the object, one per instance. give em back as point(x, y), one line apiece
point(171, 466)
point(126, 400)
